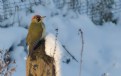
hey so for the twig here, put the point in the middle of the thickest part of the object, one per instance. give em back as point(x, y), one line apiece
point(82, 49)
point(69, 53)
point(55, 41)
point(17, 10)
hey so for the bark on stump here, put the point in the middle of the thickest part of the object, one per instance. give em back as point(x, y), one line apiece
point(40, 64)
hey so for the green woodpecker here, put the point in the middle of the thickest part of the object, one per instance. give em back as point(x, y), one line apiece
point(36, 32)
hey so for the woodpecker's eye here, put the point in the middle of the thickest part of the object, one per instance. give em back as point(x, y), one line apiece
point(38, 18)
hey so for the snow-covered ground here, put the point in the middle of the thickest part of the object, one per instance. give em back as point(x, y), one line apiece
point(102, 44)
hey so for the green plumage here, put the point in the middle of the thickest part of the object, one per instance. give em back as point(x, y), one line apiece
point(35, 33)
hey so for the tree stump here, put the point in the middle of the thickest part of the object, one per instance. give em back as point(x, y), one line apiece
point(40, 64)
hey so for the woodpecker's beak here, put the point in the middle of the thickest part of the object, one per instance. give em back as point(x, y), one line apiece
point(43, 17)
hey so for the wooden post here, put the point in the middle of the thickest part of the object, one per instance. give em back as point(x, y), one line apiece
point(40, 64)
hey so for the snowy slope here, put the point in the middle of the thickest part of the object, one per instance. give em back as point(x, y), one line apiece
point(101, 47)
point(10, 38)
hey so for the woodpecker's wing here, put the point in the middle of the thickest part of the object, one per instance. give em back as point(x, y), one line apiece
point(38, 44)
point(40, 40)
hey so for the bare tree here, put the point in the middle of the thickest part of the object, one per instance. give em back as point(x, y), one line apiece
point(5, 8)
point(101, 11)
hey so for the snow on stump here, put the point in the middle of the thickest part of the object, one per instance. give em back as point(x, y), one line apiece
point(40, 64)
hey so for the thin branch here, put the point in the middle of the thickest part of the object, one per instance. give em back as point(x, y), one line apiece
point(55, 41)
point(82, 50)
point(69, 53)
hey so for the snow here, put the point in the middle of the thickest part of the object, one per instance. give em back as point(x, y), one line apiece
point(18, 55)
point(53, 49)
point(11, 36)
point(102, 44)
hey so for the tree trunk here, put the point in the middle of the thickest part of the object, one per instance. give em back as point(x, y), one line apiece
point(40, 64)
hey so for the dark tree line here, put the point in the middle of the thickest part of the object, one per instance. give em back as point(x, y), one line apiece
point(100, 11)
